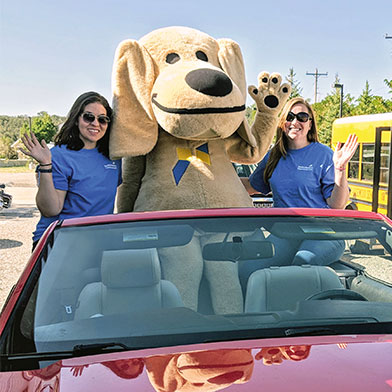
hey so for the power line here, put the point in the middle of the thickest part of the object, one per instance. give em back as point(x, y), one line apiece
point(316, 75)
point(388, 36)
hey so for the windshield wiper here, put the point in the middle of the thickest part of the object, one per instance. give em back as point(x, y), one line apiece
point(310, 331)
point(78, 351)
point(97, 348)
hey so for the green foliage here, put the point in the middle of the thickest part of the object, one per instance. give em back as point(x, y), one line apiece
point(42, 126)
point(389, 84)
point(12, 127)
point(250, 113)
point(6, 151)
point(328, 110)
point(369, 104)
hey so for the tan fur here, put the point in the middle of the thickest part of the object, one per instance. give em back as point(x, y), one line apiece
point(157, 114)
point(211, 370)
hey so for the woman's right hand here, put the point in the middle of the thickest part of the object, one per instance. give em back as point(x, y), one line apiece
point(39, 151)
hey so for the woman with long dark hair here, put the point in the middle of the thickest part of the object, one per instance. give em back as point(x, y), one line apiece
point(76, 176)
point(302, 172)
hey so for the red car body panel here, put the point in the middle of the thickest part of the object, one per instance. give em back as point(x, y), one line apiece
point(301, 364)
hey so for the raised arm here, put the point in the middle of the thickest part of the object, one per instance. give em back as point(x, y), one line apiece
point(341, 157)
point(50, 201)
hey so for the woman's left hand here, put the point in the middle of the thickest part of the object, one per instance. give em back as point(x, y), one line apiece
point(342, 155)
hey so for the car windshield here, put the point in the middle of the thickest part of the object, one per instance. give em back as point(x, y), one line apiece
point(169, 282)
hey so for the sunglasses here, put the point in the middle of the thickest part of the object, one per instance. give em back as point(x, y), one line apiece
point(301, 117)
point(89, 118)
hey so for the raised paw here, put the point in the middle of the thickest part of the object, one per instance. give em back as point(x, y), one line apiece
point(270, 95)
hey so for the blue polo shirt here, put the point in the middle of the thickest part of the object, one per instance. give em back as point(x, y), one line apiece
point(305, 178)
point(90, 180)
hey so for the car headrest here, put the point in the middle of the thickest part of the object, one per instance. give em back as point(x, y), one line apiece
point(130, 268)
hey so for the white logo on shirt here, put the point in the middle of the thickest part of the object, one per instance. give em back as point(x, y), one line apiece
point(110, 166)
point(305, 168)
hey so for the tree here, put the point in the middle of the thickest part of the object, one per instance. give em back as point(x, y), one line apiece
point(6, 151)
point(296, 91)
point(327, 111)
point(42, 126)
point(389, 84)
point(370, 104)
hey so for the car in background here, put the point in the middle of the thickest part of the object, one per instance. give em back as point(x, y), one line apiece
point(259, 200)
point(103, 304)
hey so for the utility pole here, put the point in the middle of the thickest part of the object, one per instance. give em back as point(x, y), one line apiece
point(316, 75)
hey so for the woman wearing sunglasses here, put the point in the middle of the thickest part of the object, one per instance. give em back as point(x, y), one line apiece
point(76, 176)
point(301, 172)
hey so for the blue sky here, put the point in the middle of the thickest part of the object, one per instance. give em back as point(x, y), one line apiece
point(51, 51)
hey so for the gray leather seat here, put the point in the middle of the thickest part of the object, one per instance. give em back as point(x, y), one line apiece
point(131, 281)
point(280, 288)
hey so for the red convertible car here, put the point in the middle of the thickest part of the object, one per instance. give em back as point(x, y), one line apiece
point(204, 300)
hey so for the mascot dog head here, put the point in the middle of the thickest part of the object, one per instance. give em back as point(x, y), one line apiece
point(181, 80)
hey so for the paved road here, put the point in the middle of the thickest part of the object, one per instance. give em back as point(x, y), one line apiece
point(16, 226)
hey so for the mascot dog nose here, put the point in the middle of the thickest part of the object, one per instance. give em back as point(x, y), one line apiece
point(209, 82)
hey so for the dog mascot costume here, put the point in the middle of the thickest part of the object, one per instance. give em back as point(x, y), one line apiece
point(179, 122)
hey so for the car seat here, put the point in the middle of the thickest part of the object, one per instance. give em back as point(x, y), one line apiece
point(131, 281)
point(280, 288)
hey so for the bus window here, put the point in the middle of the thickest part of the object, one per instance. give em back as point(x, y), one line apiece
point(353, 166)
point(367, 162)
point(384, 169)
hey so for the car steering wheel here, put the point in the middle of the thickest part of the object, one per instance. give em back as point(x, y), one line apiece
point(337, 294)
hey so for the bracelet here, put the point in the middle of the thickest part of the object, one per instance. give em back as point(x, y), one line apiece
point(44, 170)
point(45, 164)
point(340, 168)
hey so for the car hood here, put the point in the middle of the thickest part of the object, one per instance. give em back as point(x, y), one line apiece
point(295, 364)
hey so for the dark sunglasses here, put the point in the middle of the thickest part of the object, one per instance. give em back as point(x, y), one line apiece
point(301, 117)
point(89, 118)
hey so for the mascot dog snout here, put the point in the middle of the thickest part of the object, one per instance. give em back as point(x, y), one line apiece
point(197, 99)
point(209, 82)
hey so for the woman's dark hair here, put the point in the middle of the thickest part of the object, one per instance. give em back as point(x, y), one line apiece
point(281, 145)
point(69, 131)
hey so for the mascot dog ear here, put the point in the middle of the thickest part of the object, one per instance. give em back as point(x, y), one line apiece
point(231, 61)
point(134, 130)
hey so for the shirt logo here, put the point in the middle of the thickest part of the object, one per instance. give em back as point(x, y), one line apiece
point(110, 166)
point(305, 168)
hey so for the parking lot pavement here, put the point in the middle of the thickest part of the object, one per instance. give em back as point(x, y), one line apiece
point(16, 226)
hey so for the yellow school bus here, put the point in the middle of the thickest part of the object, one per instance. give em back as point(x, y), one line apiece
point(369, 171)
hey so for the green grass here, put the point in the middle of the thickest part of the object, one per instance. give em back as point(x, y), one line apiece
point(16, 169)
